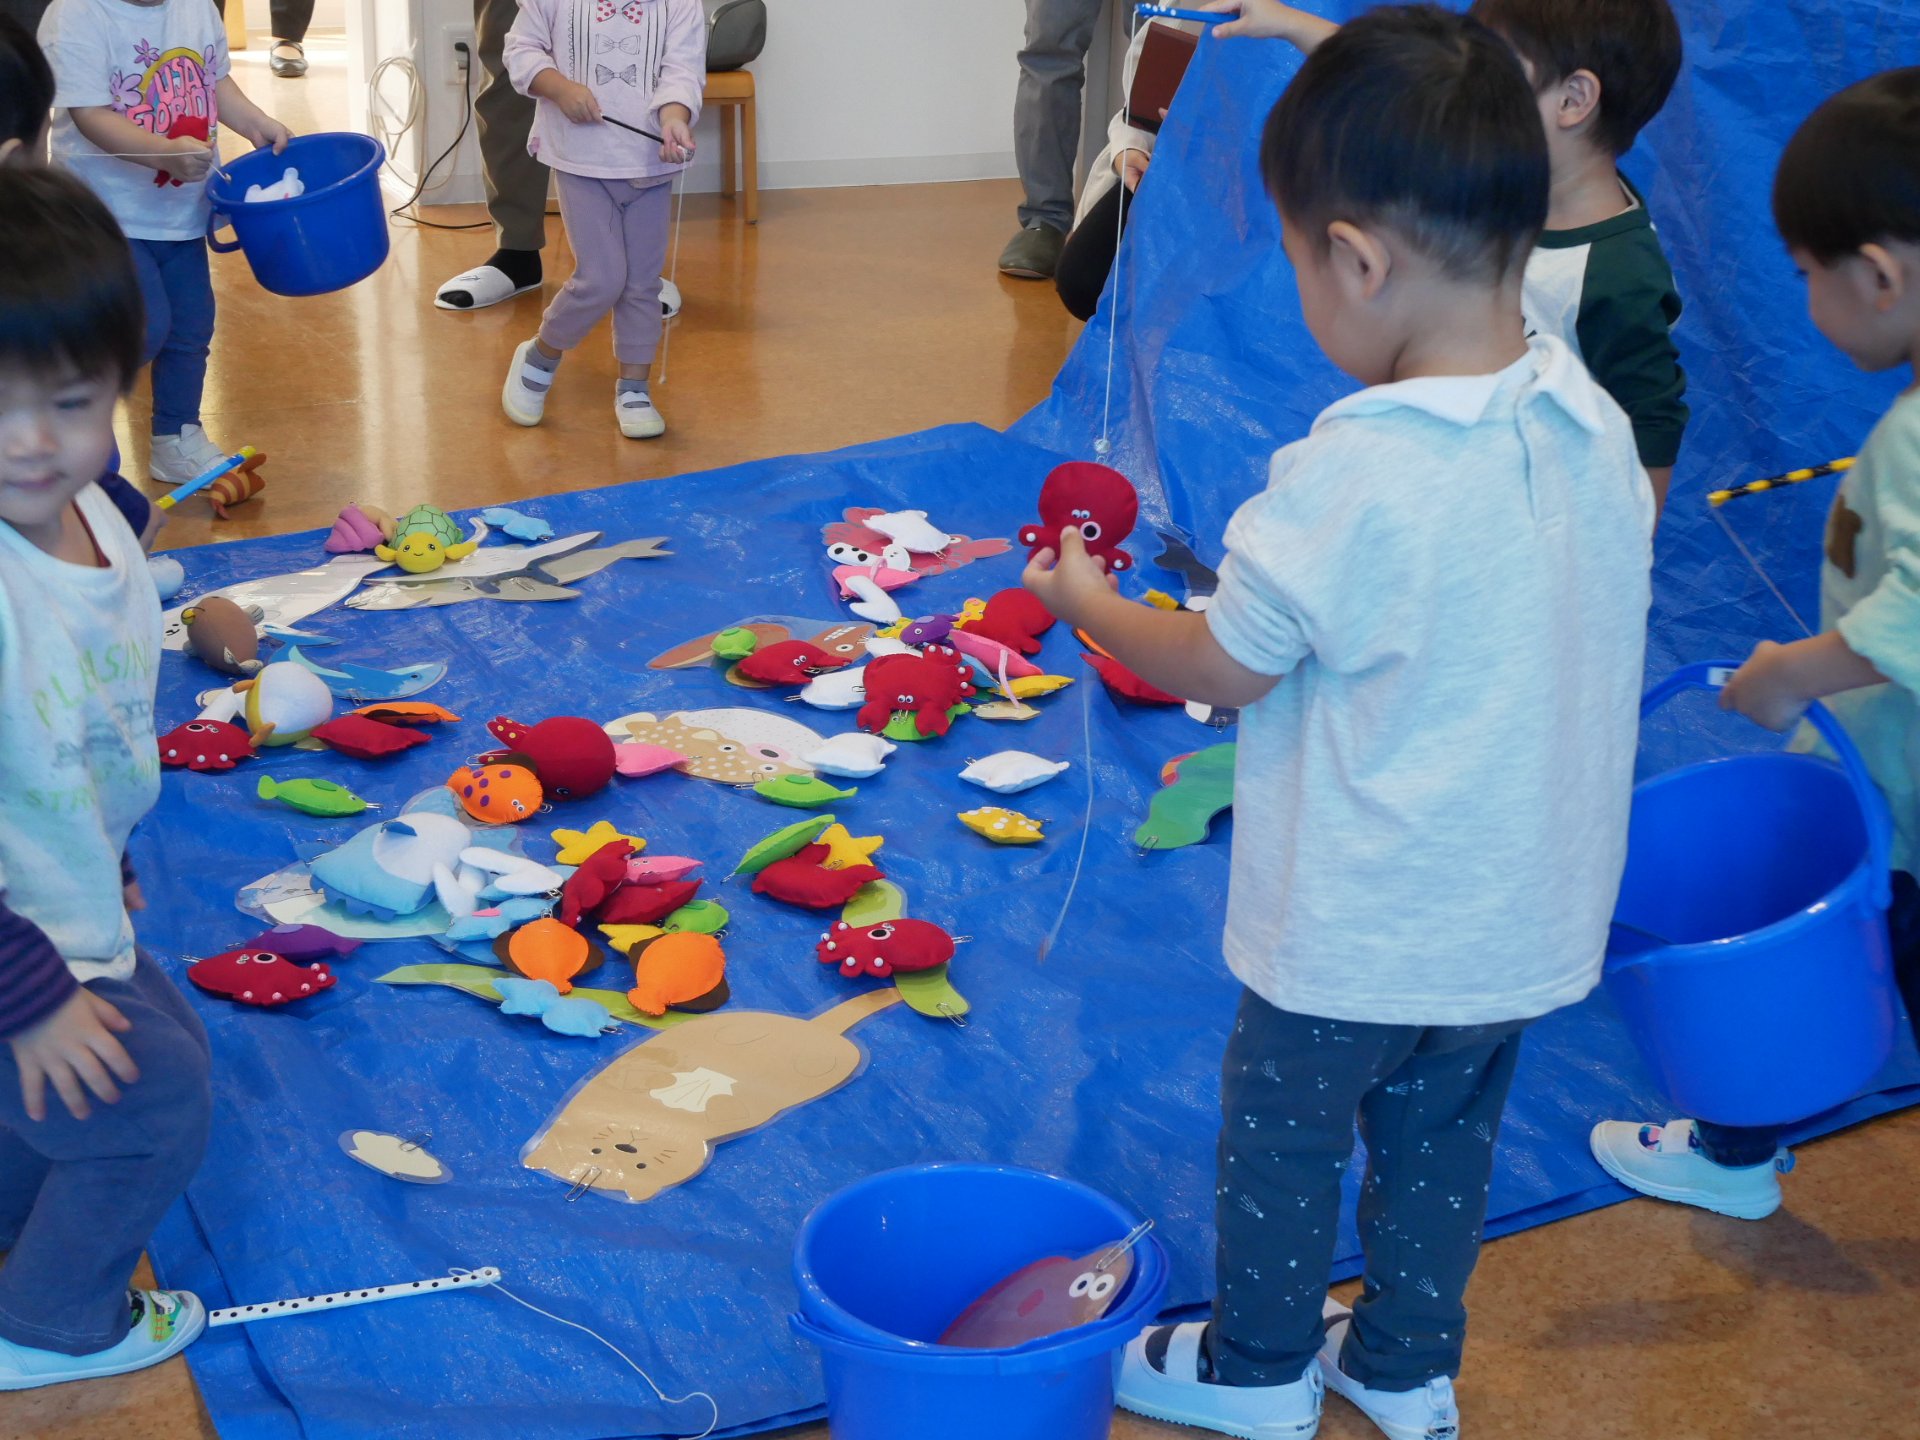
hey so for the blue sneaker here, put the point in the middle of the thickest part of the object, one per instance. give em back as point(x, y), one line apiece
point(1665, 1161)
point(165, 1322)
point(1160, 1378)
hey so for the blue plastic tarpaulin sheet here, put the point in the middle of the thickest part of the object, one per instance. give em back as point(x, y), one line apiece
point(1100, 1061)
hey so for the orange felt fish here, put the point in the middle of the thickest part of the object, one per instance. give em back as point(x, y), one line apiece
point(545, 950)
point(412, 712)
point(685, 969)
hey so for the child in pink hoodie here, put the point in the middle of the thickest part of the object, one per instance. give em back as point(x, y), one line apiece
point(598, 67)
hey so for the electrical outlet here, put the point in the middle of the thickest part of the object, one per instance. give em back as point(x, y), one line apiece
point(457, 59)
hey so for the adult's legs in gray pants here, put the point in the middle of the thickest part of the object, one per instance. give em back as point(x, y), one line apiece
point(1046, 129)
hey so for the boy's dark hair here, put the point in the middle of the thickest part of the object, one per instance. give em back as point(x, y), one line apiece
point(67, 286)
point(1851, 174)
point(1631, 46)
point(1419, 119)
point(26, 84)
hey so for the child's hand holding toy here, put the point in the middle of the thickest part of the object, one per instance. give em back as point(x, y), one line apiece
point(1070, 583)
point(676, 140)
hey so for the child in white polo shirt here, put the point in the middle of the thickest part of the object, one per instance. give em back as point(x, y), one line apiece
point(1433, 622)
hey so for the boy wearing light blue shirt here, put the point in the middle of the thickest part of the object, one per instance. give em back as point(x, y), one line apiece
point(1433, 622)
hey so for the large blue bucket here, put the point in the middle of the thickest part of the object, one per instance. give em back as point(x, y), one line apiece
point(886, 1265)
point(1749, 955)
point(333, 236)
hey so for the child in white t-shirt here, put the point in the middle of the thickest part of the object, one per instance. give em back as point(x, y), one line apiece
point(1433, 623)
point(142, 89)
point(104, 1097)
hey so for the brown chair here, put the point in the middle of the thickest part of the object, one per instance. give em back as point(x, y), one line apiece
point(733, 89)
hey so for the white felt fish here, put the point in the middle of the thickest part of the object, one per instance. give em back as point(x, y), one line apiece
point(911, 529)
point(1008, 772)
point(837, 690)
point(855, 755)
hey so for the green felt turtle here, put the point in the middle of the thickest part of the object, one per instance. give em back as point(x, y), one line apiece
point(424, 539)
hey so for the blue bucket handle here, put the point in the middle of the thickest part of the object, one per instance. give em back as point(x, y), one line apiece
point(1714, 674)
point(214, 222)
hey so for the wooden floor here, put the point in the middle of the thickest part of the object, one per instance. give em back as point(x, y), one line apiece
point(854, 314)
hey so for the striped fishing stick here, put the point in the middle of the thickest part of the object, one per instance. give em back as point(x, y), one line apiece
point(1717, 498)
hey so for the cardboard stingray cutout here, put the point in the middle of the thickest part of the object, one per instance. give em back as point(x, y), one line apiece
point(507, 572)
point(649, 1119)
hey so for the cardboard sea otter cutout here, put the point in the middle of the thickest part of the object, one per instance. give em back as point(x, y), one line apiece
point(649, 1119)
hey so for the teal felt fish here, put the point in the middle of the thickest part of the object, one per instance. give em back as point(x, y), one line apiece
point(314, 797)
point(562, 1014)
point(516, 524)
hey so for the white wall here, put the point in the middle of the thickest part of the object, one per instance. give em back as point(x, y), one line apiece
point(851, 92)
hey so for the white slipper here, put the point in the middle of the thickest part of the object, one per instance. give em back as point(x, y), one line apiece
point(478, 288)
point(1177, 1394)
point(669, 299)
point(165, 1322)
point(638, 418)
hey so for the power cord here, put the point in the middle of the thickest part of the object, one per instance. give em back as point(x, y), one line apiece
point(383, 113)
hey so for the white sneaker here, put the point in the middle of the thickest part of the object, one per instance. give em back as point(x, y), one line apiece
point(524, 396)
point(638, 419)
point(176, 459)
point(1664, 1161)
point(165, 1322)
point(1428, 1413)
point(1177, 1394)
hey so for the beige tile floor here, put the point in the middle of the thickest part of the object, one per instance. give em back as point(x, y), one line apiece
point(854, 314)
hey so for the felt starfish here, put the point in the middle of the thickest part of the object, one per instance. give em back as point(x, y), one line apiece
point(578, 846)
point(844, 848)
point(624, 937)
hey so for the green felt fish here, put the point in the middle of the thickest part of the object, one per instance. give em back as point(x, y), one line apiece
point(315, 797)
point(802, 791)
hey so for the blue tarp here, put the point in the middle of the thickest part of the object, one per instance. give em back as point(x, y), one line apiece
point(1099, 1062)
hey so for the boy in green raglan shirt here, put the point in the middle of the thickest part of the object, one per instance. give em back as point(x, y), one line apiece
point(1597, 278)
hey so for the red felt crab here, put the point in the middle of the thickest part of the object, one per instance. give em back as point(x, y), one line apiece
point(205, 745)
point(789, 662)
point(572, 756)
point(1096, 500)
point(259, 977)
point(929, 684)
point(904, 945)
point(1015, 618)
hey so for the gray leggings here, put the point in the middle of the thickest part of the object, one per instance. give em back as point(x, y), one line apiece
point(1429, 1103)
point(79, 1199)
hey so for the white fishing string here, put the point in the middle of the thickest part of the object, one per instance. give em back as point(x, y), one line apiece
point(1105, 445)
point(1086, 824)
point(1761, 571)
point(665, 1398)
point(673, 266)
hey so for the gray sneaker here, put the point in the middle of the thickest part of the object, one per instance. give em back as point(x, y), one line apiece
point(1033, 254)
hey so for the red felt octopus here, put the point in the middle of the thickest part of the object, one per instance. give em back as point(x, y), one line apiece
point(1015, 618)
point(1096, 500)
point(259, 977)
point(904, 945)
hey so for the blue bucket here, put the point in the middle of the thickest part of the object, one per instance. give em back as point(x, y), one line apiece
point(886, 1265)
point(1749, 955)
point(333, 236)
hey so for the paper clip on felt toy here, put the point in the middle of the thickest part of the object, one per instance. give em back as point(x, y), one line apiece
point(245, 460)
point(1717, 498)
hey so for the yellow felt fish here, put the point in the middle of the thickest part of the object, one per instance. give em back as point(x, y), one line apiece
point(1027, 687)
point(579, 846)
point(844, 848)
point(1003, 827)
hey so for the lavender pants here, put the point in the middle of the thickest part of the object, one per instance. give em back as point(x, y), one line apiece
point(618, 231)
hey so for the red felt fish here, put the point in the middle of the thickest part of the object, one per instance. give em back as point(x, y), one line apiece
point(1123, 681)
point(587, 889)
point(1015, 618)
point(879, 950)
point(205, 745)
point(184, 127)
point(929, 684)
point(789, 662)
point(646, 904)
point(803, 879)
point(259, 977)
point(1096, 500)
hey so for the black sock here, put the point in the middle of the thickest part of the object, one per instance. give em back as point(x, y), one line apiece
point(522, 267)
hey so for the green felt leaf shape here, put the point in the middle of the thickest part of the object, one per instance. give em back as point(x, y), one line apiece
point(788, 840)
point(1181, 813)
point(875, 903)
point(926, 991)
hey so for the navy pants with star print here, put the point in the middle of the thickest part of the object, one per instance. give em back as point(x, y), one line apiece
point(1428, 1102)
